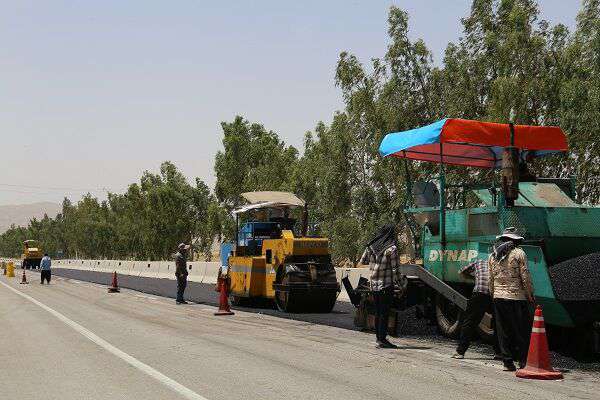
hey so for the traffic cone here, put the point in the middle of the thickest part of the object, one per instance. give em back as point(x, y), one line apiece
point(223, 298)
point(538, 359)
point(114, 288)
point(24, 279)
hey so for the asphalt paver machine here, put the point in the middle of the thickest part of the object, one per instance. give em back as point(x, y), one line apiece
point(562, 237)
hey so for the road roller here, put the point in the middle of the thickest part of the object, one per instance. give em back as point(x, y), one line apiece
point(273, 260)
point(32, 254)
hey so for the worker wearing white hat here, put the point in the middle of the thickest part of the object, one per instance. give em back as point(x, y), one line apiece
point(181, 271)
point(512, 293)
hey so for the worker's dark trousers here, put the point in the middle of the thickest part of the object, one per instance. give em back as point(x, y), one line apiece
point(478, 305)
point(383, 302)
point(513, 323)
point(45, 274)
point(181, 284)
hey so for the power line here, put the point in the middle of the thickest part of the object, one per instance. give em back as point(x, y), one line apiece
point(55, 188)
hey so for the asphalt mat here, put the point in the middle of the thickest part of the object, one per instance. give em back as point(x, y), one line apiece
point(342, 316)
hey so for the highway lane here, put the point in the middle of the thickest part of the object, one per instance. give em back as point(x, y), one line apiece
point(246, 356)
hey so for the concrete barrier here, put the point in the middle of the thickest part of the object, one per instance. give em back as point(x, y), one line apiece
point(212, 272)
point(196, 271)
point(166, 270)
point(149, 269)
point(154, 269)
point(120, 267)
point(200, 272)
point(137, 268)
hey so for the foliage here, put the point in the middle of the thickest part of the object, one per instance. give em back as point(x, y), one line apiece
point(146, 222)
point(253, 159)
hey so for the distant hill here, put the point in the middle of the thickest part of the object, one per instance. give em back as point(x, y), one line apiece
point(22, 213)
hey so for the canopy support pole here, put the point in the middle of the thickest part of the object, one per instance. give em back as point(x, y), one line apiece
point(442, 198)
point(237, 228)
point(512, 133)
point(408, 180)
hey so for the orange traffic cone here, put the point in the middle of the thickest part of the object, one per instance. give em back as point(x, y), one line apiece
point(114, 288)
point(538, 359)
point(24, 279)
point(223, 298)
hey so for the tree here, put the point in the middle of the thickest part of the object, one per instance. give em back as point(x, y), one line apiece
point(252, 159)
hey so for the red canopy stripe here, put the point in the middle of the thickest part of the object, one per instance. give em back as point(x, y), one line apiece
point(527, 137)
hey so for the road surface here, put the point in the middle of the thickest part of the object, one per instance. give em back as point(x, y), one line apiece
point(73, 340)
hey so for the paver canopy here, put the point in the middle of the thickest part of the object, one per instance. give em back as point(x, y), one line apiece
point(472, 143)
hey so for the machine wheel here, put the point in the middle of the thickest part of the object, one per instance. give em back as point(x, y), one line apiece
point(238, 300)
point(324, 302)
point(486, 329)
point(303, 302)
point(285, 302)
point(447, 316)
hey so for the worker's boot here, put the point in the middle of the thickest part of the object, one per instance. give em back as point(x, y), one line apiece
point(385, 344)
point(509, 366)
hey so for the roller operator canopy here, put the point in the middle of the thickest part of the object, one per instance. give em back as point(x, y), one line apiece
point(269, 200)
point(472, 143)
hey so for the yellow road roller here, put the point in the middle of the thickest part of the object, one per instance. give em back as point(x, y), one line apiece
point(274, 259)
point(32, 254)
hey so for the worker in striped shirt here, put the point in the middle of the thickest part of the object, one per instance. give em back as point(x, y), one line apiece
point(381, 255)
point(479, 303)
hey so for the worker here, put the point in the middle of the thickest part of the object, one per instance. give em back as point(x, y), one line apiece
point(381, 255)
point(479, 303)
point(181, 271)
point(512, 293)
point(45, 272)
point(525, 174)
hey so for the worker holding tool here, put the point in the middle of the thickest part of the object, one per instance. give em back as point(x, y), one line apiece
point(479, 303)
point(45, 271)
point(512, 293)
point(381, 255)
point(181, 271)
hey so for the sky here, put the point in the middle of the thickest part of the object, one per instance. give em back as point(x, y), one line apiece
point(93, 93)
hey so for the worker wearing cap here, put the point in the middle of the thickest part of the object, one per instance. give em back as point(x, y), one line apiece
point(512, 293)
point(479, 303)
point(381, 255)
point(181, 271)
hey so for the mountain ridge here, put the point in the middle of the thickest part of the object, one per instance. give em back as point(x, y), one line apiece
point(21, 214)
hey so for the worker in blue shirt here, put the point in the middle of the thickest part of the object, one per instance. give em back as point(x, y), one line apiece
point(45, 272)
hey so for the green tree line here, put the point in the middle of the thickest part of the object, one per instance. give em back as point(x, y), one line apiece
point(507, 65)
point(146, 222)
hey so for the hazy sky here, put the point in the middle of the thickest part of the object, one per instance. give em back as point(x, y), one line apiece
point(95, 92)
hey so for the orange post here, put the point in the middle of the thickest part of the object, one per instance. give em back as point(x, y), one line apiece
point(114, 288)
point(24, 279)
point(224, 309)
point(538, 359)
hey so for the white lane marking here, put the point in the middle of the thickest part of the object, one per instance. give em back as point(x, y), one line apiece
point(134, 362)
